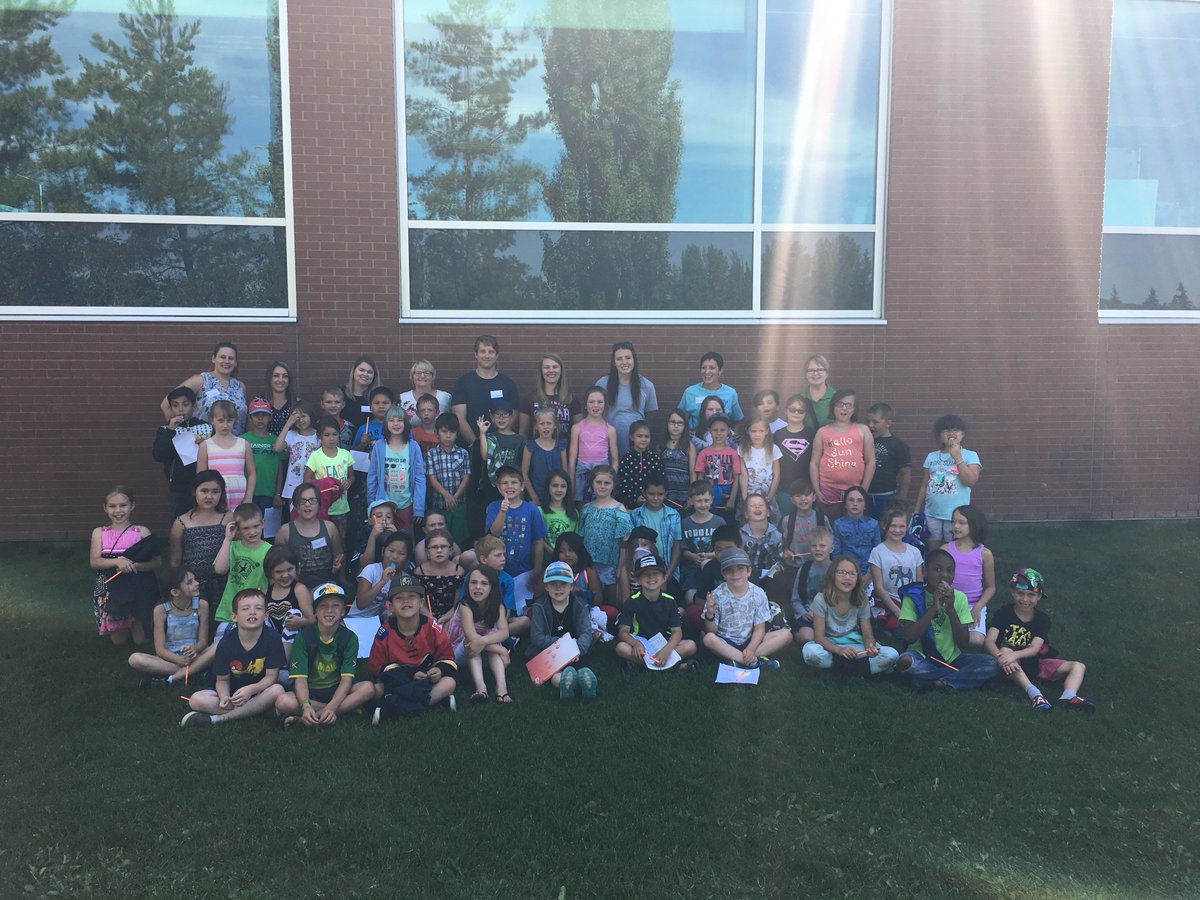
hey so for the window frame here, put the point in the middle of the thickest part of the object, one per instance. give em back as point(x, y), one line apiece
point(1137, 316)
point(33, 313)
point(756, 315)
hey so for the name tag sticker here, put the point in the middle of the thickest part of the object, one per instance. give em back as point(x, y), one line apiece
point(365, 409)
point(496, 395)
point(318, 543)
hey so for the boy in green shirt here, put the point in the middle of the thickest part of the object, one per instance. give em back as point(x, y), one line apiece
point(241, 559)
point(936, 620)
point(324, 663)
point(268, 473)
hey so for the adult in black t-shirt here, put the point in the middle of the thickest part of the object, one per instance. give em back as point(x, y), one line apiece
point(475, 391)
point(474, 394)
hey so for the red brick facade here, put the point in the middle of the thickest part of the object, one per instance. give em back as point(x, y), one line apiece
point(995, 188)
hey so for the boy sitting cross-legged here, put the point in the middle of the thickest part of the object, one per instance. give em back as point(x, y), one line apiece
point(324, 662)
point(412, 660)
point(651, 612)
point(247, 663)
point(936, 620)
point(736, 614)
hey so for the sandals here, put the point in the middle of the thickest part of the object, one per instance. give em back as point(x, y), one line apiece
point(503, 698)
point(479, 697)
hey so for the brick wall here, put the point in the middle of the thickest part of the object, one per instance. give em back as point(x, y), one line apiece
point(995, 187)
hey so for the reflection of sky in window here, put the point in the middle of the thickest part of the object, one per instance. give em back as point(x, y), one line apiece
point(1154, 115)
point(716, 173)
point(232, 45)
point(821, 111)
point(1134, 263)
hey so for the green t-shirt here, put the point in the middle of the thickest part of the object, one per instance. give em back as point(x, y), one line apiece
point(266, 463)
point(327, 668)
point(943, 632)
point(558, 522)
point(245, 571)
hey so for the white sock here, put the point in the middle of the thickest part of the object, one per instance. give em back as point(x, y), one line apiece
point(1033, 691)
point(216, 720)
point(1068, 694)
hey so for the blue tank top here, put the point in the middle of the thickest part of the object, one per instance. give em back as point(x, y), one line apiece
point(182, 631)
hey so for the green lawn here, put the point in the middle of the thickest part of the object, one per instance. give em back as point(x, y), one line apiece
point(668, 786)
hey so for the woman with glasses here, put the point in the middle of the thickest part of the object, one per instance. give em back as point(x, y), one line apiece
point(843, 454)
point(423, 375)
point(630, 395)
point(819, 391)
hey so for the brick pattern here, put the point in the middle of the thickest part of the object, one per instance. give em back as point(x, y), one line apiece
point(996, 172)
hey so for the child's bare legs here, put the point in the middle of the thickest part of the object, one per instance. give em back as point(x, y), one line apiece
point(803, 633)
point(498, 662)
point(287, 705)
point(519, 626)
point(1073, 672)
point(207, 702)
point(443, 689)
point(975, 640)
point(152, 665)
point(475, 667)
point(774, 641)
point(721, 648)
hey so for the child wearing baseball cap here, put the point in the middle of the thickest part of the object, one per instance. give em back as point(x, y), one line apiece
point(651, 611)
point(323, 665)
point(736, 615)
point(559, 611)
point(412, 659)
point(1018, 637)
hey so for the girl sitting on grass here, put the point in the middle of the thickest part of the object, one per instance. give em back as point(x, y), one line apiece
point(841, 619)
point(479, 633)
point(180, 631)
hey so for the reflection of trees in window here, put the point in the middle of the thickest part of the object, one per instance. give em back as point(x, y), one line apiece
point(839, 273)
point(619, 117)
point(710, 278)
point(465, 124)
point(29, 108)
point(86, 264)
point(153, 142)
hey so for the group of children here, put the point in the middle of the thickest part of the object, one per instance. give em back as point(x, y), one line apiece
point(689, 540)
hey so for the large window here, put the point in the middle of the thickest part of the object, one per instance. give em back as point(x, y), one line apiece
point(646, 158)
point(143, 162)
point(1150, 263)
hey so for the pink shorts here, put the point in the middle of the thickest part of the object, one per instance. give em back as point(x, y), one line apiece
point(1048, 668)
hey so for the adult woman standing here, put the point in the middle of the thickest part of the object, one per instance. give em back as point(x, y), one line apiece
point(218, 384)
point(712, 364)
point(551, 392)
point(281, 394)
point(423, 375)
point(363, 378)
point(630, 395)
point(843, 454)
point(819, 391)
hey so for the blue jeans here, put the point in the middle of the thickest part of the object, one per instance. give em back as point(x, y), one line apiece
point(974, 670)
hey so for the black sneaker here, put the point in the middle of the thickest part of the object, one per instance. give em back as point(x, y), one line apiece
point(1079, 704)
point(194, 720)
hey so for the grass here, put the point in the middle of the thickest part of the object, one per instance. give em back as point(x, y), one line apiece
point(667, 786)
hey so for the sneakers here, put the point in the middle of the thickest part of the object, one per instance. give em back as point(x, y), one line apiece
point(1040, 704)
point(450, 703)
point(566, 683)
point(765, 662)
point(194, 720)
point(587, 684)
point(377, 715)
point(1079, 704)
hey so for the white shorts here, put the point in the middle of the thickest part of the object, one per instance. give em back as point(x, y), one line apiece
point(982, 626)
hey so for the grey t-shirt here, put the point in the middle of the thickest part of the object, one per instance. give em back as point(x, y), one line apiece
point(623, 414)
point(838, 625)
